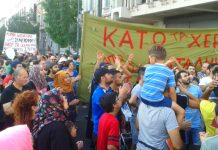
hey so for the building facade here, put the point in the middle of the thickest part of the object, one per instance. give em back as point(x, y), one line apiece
point(21, 7)
point(45, 42)
point(163, 13)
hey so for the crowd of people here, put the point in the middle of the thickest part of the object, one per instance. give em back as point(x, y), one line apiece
point(168, 107)
point(38, 103)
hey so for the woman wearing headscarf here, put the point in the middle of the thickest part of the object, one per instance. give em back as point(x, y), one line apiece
point(73, 73)
point(38, 79)
point(64, 81)
point(49, 131)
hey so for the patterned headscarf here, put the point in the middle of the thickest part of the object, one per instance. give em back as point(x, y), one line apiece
point(59, 81)
point(50, 109)
point(38, 80)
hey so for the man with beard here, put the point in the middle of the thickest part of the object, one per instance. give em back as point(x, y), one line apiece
point(104, 78)
point(50, 77)
point(117, 80)
point(192, 115)
point(192, 72)
point(203, 72)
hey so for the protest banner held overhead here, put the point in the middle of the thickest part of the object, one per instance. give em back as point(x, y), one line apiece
point(20, 42)
point(189, 46)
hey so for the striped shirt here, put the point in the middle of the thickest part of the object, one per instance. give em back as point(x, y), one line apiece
point(156, 78)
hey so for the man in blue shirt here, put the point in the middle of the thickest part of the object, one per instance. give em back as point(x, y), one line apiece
point(192, 115)
point(104, 78)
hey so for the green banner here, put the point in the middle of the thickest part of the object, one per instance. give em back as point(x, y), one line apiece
point(189, 46)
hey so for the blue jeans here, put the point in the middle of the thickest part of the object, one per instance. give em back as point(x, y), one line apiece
point(194, 134)
point(166, 102)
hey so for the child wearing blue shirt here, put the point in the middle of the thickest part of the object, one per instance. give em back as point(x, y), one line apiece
point(157, 78)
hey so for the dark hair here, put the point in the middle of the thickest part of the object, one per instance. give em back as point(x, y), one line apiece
point(178, 75)
point(114, 71)
point(35, 62)
point(99, 73)
point(49, 67)
point(215, 70)
point(196, 79)
point(210, 67)
point(69, 125)
point(20, 58)
point(75, 57)
point(67, 63)
point(141, 71)
point(157, 51)
point(107, 101)
point(24, 64)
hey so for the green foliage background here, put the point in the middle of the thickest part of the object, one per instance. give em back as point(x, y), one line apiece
point(61, 21)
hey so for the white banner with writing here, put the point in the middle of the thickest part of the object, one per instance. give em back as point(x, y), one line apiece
point(20, 42)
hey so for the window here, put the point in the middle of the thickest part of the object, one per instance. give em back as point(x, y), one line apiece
point(107, 3)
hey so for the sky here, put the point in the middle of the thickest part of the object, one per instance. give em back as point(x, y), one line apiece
point(6, 7)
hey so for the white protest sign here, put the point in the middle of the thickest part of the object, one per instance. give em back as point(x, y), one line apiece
point(20, 42)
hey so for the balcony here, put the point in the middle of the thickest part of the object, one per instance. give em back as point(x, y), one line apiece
point(153, 11)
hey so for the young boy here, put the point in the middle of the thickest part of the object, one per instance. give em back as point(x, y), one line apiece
point(157, 78)
point(108, 129)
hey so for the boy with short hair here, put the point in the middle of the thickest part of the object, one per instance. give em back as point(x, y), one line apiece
point(156, 78)
point(108, 129)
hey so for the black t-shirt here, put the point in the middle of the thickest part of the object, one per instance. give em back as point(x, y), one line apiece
point(8, 95)
point(10, 92)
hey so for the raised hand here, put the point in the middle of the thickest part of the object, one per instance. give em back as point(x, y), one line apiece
point(171, 60)
point(100, 56)
point(130, 58)
point(117, 61)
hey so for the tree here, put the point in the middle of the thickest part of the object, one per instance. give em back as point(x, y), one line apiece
point(2, 36)
point(23, 24)
point(61, 20)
